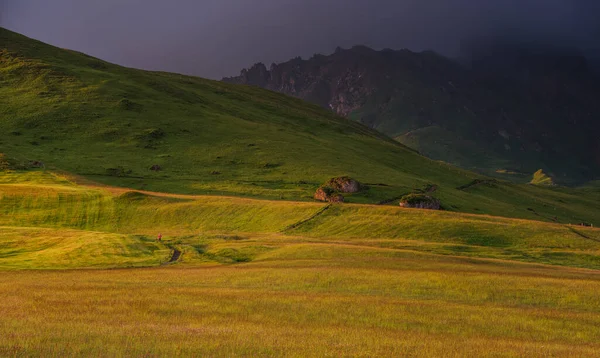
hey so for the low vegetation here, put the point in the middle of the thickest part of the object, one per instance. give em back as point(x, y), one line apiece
point(272, 295)
point(540, 178)
point(420, 201)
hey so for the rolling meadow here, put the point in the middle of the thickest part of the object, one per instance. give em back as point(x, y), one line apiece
point(83, 274)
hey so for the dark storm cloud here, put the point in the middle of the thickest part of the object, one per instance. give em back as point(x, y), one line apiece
point(214, 38)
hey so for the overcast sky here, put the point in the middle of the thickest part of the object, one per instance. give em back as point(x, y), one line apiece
point(216, 38)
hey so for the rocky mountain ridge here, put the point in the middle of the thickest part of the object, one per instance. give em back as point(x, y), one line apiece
point(507, 109)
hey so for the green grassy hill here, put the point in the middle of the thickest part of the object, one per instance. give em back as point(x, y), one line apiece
point(80, 115)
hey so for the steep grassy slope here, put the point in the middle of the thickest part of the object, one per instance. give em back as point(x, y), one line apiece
point(112, 124)
point(89, 117)
point(436, 142)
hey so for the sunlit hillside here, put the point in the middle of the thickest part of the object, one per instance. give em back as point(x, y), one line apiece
point(67, 111)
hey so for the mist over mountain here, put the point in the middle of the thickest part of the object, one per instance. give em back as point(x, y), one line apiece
point(503, 107)
point(215, 38)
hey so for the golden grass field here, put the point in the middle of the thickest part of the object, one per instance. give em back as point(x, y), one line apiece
point(82, 275)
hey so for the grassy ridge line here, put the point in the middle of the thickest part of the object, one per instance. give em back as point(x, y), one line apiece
point(587, 197)
point(38, 248)
point(193, 222)
point(132, 212)
point(372, 221)
point(54, 205)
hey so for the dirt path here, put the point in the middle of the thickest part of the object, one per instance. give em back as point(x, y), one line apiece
point(176, 255)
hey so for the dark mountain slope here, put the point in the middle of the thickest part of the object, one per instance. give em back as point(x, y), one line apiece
point(510, 108)
point(174, 133)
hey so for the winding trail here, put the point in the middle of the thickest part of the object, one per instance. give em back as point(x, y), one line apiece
point(174, 257)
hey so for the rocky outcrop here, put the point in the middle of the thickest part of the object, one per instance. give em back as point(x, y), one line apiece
point(342, 87)
point(328, 195)
point(527, 108)
point(257, 75)
point(343, 185)
point(420, 201)
point(330, 191)
point(6, 163)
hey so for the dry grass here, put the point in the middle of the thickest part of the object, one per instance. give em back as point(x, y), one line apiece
point(354, 280)
point(351, 301)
